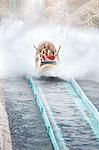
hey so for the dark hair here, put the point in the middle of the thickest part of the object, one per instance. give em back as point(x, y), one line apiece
point(52, 52)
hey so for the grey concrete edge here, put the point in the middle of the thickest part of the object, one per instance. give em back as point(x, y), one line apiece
point(5, 135)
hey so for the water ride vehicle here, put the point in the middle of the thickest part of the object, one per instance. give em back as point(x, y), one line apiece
point(46, 58)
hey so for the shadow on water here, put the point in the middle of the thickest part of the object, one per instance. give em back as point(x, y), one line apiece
point(49, 79)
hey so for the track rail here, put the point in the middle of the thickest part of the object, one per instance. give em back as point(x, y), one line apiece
point(91, 113)
point(52, 128)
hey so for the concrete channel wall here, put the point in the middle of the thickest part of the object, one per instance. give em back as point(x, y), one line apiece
point(5, 137)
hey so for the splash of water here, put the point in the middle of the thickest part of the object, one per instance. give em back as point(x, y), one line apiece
point(78, 55)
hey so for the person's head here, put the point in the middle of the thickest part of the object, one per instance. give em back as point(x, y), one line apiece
point(45, 51)
point(52, 53)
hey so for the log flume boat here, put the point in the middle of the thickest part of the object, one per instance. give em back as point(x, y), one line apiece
point(46, 58)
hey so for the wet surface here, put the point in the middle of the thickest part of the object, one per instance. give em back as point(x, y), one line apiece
point(91, 89)
point(76, 131)
point(26, 124)
point(27, 127)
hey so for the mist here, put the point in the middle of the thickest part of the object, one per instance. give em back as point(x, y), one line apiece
point(79, 54)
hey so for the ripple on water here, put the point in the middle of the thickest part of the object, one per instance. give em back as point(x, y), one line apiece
point(76, 131)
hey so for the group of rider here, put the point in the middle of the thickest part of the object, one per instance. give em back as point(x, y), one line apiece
point(47, 51)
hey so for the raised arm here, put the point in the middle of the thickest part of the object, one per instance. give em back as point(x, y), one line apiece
point(37, 50)
point(58, 50)
point(35, 47)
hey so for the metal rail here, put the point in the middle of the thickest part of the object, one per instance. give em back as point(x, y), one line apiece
point(91, 113)
point(52, 128)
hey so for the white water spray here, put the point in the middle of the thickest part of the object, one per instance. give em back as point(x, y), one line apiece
point(78, 55)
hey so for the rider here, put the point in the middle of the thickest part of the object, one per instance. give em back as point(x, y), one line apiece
point(44, 54)
point(51, 55)
point(48, 55)
point(47, 51)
